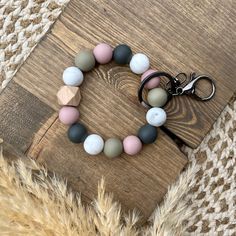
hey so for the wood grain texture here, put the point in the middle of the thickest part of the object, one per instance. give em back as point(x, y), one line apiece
point(137, 182)
point(177, 36)
point(10, 153)
point(108, 107)
point(21, 115)
point(186, 36)
point(107, 111)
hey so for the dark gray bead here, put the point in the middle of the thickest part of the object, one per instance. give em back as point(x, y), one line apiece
point(77, 133)
point(122, 54)
point(147, 134)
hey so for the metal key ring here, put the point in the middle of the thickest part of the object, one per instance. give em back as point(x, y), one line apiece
point(175, 87)
point(173, 84)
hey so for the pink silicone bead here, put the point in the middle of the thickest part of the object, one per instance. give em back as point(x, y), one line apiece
point(132, 145)
point(68, 115)
point(103, 53)
point(153, 83)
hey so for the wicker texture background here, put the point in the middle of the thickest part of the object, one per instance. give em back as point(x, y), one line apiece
point(22, 24)
point(213, 198)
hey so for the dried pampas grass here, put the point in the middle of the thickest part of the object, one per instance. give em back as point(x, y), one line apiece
point(32, 202)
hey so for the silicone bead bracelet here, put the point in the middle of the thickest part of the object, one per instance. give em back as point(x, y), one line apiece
point(69, 97)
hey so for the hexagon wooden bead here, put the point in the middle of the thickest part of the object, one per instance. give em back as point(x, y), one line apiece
point(69, 96)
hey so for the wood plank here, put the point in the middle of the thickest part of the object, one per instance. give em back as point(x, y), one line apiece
point(21, 114)
point(185, 36)
point(106, 110)
point(176, 36)
point(10, 153)
point(110, 113)
point(31, 126)
point(137, 182)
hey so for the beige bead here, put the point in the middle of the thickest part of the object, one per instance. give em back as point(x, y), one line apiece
point(157, 97)
point(69, 96)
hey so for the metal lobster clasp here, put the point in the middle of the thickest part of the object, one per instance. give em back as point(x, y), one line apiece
point(190, 87)
point(177, 86)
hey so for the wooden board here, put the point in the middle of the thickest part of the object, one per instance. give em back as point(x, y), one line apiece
point(187, 37)
point(32, 127)
point(178, 37)
point(21, 114)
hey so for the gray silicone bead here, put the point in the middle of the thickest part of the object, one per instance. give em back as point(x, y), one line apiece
point(85, 60)
point(113, 147)
point(157, 97)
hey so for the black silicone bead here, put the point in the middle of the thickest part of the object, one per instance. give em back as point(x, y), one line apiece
point(147, 134)
point(122, 54)
point(77, 133)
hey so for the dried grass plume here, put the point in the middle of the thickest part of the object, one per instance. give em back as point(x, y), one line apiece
point(32, 202)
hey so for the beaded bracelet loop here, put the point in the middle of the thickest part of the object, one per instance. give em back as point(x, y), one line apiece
point(69, 97)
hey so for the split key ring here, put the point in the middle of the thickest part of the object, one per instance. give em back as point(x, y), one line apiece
point(175, 87)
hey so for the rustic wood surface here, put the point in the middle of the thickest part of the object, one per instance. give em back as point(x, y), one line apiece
point(40, 135)
point(186, 36)
point(22, 115)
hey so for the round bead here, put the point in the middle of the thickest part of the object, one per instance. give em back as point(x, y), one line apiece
point(153, 83)
point(132, 145)
point(139, 63)
point(77, 133)
point(102, 53)
point(122, 54)
point(85, 60)
point(157, 97)
point(93, 144)
point(147, 134)
point(68, 115)
point(156, 116)
point(73, 76)
point(113, 147)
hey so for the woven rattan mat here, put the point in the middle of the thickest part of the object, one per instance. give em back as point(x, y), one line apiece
point(23, 23)
point(213, 198)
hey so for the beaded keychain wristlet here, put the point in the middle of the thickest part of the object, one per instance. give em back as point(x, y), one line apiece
point(69, 97)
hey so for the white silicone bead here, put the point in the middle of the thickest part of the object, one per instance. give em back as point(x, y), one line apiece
point(156, 116)
point(93, 144)
point(139, 63)
point(73, 76)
